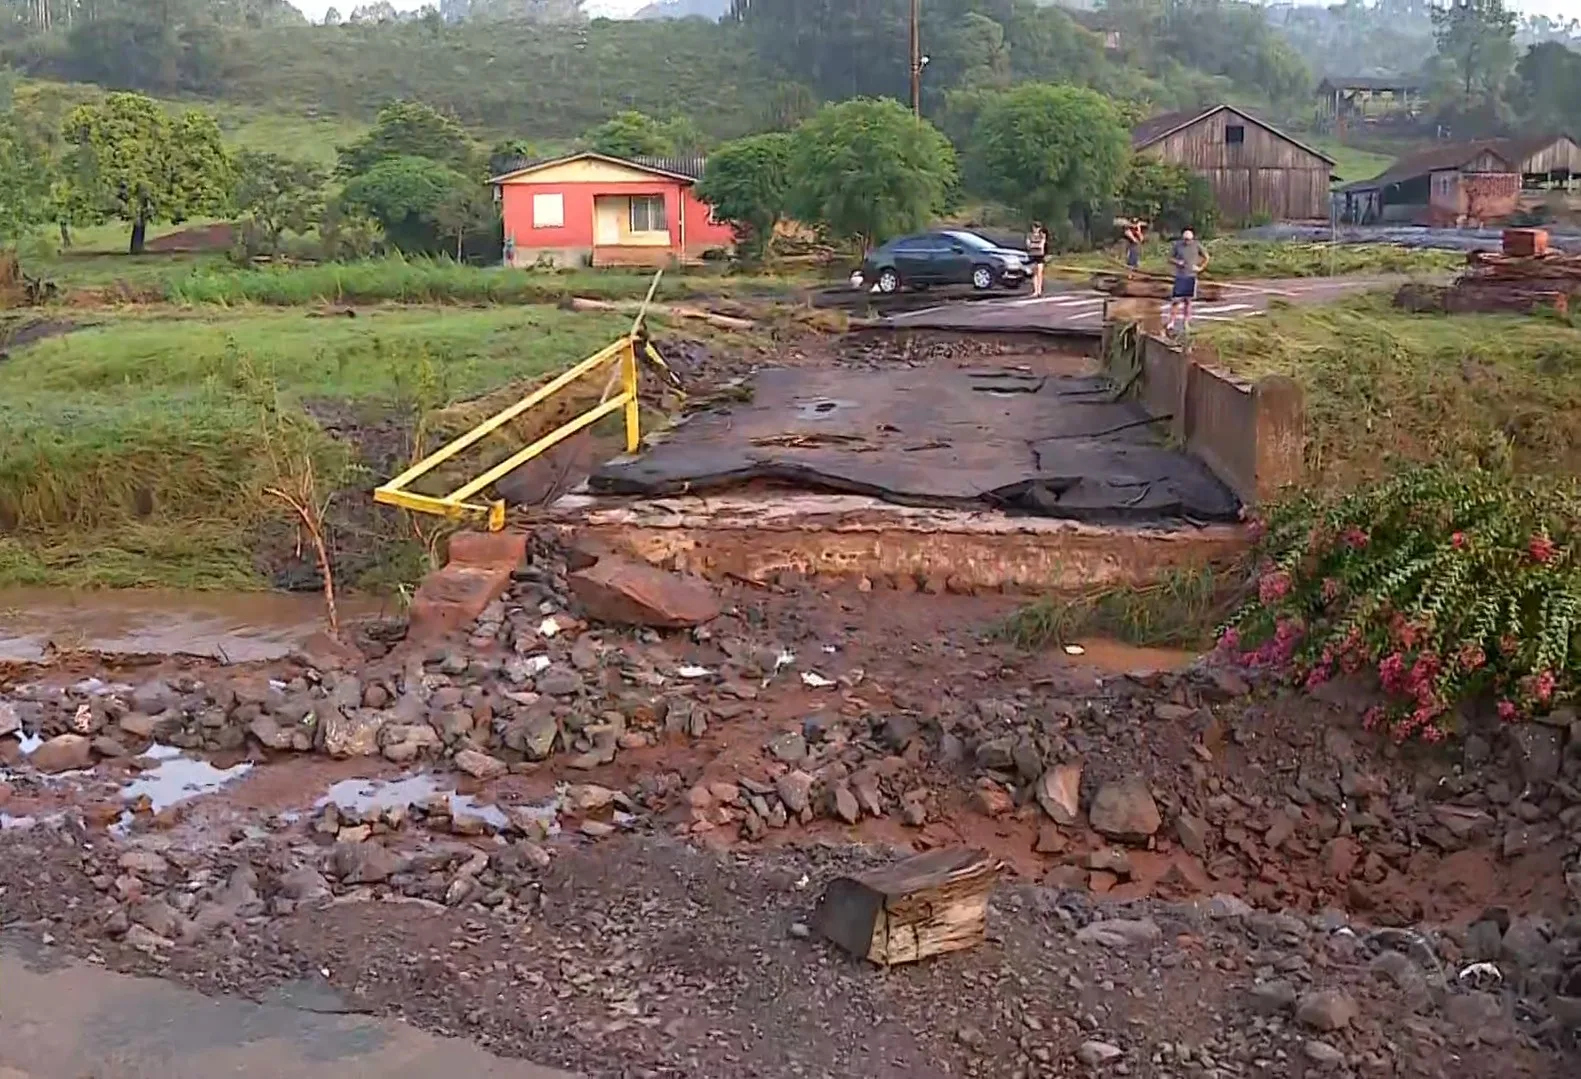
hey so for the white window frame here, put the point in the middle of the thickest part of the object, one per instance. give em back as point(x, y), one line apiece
point(548, 210)
point(648, 201)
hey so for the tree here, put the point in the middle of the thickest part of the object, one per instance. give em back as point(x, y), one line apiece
point(1050, 151)
point(866, 169)
point(278, 195)
point(405, 195)
point(25, 194)
point(130, 160)
point(745, 183)
point(1168, 195)
point(409, 129)
point(1548, 88)
point(508, 154)
point(635, 134)
point(1478, 38)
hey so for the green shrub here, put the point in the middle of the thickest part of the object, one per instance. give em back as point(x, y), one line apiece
point(1451, 585)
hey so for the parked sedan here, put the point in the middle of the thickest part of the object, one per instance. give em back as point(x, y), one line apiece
point(949, 257)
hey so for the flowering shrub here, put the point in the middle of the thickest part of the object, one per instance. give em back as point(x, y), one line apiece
point(1448, 584)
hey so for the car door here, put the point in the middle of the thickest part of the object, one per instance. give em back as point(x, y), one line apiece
point(911, 259)
point(954, 261)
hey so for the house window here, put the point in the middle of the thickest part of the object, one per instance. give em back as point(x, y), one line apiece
point(548, 211)
point(647, 214)
point(1235, 134)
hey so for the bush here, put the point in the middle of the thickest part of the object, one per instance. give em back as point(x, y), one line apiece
point(1453, 586)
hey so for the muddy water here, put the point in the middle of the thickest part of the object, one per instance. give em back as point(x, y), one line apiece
point(231, 626)
point(1114, 657)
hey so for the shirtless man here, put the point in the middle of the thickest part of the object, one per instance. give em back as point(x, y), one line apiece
point(1135, 237)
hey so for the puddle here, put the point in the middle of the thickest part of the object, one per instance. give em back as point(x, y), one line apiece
point(231, 626)
point(365, 796)
point(1115, 657)
point(177, 778)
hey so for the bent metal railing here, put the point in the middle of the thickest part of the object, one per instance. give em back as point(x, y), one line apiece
point(622, 356)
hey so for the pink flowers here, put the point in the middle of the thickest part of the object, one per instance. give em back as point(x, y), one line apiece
point(1331, 589)
point(1507, 711)
point(1541, 548)
point(1458, 540)
point(1229, 640)
point(1354, 538)
point(1471, 657)
point(1273, 586)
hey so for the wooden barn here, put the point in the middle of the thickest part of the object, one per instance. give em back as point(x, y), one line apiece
point(1255, 170)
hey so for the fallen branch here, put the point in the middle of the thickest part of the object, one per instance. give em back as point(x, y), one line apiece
point(724, 322)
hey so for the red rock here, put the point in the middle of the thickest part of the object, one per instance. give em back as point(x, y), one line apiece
point(1340, 855)
point(1100, 882)
point(629, 593)
point(1059, 793)
point(1050, 839)
point(992, 801)
point(63, 753)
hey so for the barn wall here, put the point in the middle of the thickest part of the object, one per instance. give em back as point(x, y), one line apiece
point(1264, 174)
point(1563, 154)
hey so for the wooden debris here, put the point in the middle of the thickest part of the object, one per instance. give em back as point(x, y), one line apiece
point(928, 905)
point(724, 322)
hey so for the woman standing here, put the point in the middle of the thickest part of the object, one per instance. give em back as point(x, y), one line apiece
point(1037, 254)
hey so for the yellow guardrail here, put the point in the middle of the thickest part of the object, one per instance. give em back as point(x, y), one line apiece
point(622, 355)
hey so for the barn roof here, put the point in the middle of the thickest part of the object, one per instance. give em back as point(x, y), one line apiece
point(1158, 128)
point(1452, 155)
point(1370, 82)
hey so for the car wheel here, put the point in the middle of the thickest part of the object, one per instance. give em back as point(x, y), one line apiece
point(982, 278)
point(888, 282)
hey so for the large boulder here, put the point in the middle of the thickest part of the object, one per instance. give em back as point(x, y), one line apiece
point(353, 732)
point(63, 753)
point(629, 593)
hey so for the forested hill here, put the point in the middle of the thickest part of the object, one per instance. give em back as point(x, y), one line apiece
point(542, 70)
point(551, 77)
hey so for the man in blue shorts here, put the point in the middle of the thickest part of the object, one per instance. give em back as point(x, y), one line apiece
point(1189, 260)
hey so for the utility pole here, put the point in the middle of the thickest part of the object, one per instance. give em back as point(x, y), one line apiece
point(916, 58)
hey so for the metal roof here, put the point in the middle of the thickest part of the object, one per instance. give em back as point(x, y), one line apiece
point(1452, 155)
point(689, 168)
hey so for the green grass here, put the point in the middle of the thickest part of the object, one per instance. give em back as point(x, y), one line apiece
point(1180, 610)
point(1351, 162)
point(1252, 259)
point(134, 453)
point(1385, 387)
point(416, 280)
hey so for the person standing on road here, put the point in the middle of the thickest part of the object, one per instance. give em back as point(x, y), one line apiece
point(1037, 254)
point(1189, 260)
point(1135, 237)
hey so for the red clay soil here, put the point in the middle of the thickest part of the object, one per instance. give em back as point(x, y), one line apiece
point(216, 237)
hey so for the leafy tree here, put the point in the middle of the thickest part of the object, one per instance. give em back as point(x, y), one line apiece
point(1478, 38)
point(1169, 195)
point(405, 195)
point(866, 169)
point(25, 194)
point(1050, 151)
point(409, 129)
point(1548, 87)
point(130, 160)
point(505, 154)
point(278, 195)
point(745, 183)
point(635, 134)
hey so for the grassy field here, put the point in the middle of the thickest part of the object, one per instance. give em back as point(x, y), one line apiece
point(135, 453)
point(1386, 387)
point(1232, 258)
point(1351, 162)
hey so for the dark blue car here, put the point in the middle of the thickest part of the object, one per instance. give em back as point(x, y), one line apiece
point(945, 257)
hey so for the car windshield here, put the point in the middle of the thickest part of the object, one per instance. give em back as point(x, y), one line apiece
point(971, 239)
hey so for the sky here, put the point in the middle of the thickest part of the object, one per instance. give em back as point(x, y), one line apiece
point(616, 9)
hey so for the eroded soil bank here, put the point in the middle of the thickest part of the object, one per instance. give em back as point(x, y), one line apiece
point(600, 848)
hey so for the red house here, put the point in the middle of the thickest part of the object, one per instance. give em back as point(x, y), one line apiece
point(589, 209)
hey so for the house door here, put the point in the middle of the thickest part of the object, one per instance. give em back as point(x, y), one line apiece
point(607, 214)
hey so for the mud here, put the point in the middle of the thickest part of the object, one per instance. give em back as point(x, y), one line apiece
point(37, 624)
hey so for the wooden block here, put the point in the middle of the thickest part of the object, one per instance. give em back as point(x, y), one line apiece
point(928, 905)
point(1525, 243)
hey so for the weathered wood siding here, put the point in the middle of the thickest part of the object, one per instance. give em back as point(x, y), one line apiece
point(1264, 174)
point(1562, 155)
